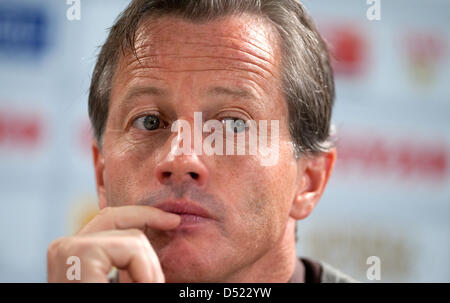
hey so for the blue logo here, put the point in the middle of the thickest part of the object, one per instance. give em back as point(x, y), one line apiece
point(23, 30)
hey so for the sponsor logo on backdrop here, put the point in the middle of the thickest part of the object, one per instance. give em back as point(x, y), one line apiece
point(348, 48)
point(368, 253)
point(23, 29)
point(424, 52)
point(20, 129)
point(376, 155)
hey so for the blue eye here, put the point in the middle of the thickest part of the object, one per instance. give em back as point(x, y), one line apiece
point(235, 125)
point(148, 122)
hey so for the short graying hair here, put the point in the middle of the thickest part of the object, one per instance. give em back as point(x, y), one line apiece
point(307, 77)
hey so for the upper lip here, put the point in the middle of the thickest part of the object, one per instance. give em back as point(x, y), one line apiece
point(183, 207)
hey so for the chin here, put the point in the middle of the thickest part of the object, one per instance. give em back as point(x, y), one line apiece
point(184, 262)
point(185, 269)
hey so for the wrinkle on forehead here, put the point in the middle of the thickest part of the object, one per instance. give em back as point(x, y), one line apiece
point(243, 42)
point(252, 29)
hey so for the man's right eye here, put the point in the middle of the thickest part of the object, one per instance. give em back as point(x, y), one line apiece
point(148, 122)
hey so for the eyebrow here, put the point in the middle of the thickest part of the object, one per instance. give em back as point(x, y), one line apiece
point(234, 92)
point(215, 91)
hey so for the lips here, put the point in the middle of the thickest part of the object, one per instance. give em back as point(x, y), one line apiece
point(189, 211)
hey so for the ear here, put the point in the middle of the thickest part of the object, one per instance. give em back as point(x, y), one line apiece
point(99, 165)
point(314, 173)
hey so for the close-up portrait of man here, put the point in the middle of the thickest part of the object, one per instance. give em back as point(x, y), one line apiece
point(193, 144)
point(171, 215)
point(170, 211)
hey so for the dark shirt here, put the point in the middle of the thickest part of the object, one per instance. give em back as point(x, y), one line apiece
point(306, 271)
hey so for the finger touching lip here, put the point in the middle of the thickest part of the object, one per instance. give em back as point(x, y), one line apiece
point(184, 208)
point(132, 216)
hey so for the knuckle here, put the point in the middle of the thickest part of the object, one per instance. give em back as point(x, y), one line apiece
point(53, 249)
point(75, 245)
point(105, 212)
point(62, 248)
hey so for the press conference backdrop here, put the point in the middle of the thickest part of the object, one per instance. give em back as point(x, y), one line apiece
point(389, 195)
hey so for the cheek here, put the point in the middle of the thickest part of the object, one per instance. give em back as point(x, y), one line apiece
point(127, 175)
point(258, 196)
point(274, 186)
point(248, 174)
point(117, 183)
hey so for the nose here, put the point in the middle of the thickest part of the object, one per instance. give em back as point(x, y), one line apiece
point(182, 169)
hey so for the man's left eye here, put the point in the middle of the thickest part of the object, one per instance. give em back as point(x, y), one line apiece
point(235, 125)
point(148, 122)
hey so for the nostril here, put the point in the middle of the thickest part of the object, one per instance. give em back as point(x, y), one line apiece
point(167, 174)
point(194, 176)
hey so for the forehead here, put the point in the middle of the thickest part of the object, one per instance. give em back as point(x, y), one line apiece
point(247, 33)
point(172, 53)
point(231, 42)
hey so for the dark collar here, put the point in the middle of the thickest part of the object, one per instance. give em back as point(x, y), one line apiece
point(306, 271)
point(298, 276)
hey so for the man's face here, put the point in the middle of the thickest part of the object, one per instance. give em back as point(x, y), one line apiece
point(225, 69)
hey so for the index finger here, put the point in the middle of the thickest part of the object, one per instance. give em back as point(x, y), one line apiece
point(132, 216)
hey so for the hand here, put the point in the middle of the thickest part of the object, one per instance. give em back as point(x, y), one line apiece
point(114, 237)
